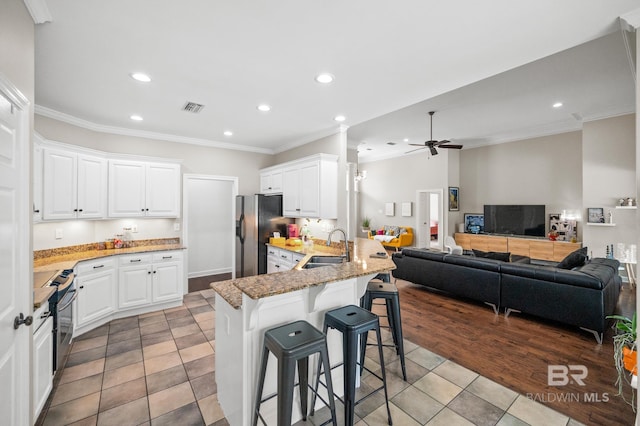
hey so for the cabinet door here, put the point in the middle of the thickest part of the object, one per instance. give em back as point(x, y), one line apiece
point(310, 190)
point(37, 184)
point(276, 181)
point(92, 187)
point(42, 365)
point(167, 281)
point(163, 190)
point(126, 188)
point(134, 286)
point(266, 186)
point(291, 192)
point(60, 184)
point(96, 296)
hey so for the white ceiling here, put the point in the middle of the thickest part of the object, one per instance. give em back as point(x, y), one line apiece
point(386, 57)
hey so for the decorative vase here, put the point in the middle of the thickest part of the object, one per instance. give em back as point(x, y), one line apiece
point(630, 360)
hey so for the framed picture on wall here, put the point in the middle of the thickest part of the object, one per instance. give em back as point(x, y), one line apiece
point(390, 209)
point(595, 215)
point(454, 200)
point(474, 223)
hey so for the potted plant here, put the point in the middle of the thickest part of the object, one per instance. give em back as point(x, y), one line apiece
point(366, 223)
point(624, 352)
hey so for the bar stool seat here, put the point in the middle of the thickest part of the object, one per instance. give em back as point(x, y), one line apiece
point(352, 321)
point(389, 293)
point(290, 344)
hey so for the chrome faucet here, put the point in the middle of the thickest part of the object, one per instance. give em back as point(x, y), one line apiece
point(346, 243)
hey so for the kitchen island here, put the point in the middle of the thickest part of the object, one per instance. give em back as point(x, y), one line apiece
point(247, 307)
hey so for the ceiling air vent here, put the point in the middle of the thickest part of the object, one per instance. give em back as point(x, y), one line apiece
point(192, 107)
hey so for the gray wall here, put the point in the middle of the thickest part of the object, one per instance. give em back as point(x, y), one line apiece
point(609, 170)
point(397, 180)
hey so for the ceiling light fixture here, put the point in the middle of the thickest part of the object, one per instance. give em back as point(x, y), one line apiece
point(339, 118)
point(228, 133)
point(324, 78)
point(136, 118)
point(557, 105)
point(138, 76)
point(264, 108)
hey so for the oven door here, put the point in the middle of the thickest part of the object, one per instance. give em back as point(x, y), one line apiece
point(65, 323)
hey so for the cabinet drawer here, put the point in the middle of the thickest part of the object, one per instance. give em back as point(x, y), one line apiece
point(167, 256)
point(285, 256)
point(135, 259)
point(89, 267)
point(296, 258)
point(40, 316)
point(272, 251)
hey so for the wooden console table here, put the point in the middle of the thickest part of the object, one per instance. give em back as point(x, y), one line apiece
point(534, 248)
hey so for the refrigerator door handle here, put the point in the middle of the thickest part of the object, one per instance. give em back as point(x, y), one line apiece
point(241, 231)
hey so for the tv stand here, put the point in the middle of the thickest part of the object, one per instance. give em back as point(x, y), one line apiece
point(541, 249)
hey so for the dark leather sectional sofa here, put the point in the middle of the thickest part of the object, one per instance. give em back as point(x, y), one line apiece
point(582, 297)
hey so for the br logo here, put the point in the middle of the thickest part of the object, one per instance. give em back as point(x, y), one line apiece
point(562, 375)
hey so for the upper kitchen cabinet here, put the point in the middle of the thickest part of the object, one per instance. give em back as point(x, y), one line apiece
point(271, 181)
point(74, 185)
point(310, 187)
point(138, 188)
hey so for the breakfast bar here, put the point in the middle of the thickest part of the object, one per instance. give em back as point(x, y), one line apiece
point(247, 307)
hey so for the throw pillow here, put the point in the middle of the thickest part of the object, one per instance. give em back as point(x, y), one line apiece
point(380, 231)
point(495, 255)
point(574, 259)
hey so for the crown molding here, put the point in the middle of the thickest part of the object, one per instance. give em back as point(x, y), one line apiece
point(69, 119)
point(630, 21)
point(39, 11)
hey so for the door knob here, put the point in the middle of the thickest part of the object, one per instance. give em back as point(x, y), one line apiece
point(20, 319)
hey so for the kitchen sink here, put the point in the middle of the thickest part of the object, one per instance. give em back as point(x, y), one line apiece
point(318, 261)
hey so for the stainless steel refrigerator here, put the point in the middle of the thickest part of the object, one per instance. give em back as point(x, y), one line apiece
point(257, 218)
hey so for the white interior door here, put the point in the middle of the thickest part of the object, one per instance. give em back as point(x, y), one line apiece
point(209, 224)
point(15, 377)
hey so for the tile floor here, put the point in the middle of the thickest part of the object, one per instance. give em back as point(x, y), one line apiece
point(158, 369)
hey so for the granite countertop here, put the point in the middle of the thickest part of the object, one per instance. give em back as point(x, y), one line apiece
point(45, 267)
point(69, 260)
point(259, 286)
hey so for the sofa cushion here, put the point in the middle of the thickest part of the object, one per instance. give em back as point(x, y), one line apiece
point(495, 255)
point(574, 259)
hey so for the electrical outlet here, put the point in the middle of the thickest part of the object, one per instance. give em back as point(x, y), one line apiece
point(176, 226)
point(58, 233)
point(134, 228)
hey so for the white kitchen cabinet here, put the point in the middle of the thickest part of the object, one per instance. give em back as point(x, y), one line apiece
point(42, 378)
point(96, 283)
point(134, 281)
point(279, 260)
point(139, 188)
point(74, 185)
point(310, 187)
point(37, 183)
point(167, 276)
point(271, 181)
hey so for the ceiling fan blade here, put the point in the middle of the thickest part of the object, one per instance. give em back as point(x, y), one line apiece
point(418, 144)
point(413, 150)
point(451, 146)
point(433, 150)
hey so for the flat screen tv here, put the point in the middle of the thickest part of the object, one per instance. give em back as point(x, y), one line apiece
point(522, 219)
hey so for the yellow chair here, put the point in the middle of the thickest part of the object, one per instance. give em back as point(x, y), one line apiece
point(402, 240)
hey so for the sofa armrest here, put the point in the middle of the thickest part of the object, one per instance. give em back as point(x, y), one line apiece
point(405, 239)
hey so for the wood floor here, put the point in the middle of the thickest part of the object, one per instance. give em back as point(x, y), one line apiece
point(517, 351)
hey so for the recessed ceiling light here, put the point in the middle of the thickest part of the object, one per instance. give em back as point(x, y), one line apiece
point(405, 140)
point(136, 118)
point(557, 105)
point(228, 133)
point(324, 78)
point(340, 118)
point(141, 77)
point(264, 108)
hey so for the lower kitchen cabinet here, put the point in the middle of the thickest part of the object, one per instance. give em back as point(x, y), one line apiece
point(167, 276)
point(42, 379)
point(125, 284)
point(134, 281)
point(96, 287)
point(279, 260)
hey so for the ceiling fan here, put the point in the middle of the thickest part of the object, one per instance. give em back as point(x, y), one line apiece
point(431, 144)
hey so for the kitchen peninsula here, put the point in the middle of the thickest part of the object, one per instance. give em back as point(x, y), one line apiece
point(246, 307)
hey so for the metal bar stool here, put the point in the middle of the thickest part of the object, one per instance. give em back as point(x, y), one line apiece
point(388, 292)
point(293, 343)
point(353, 321)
